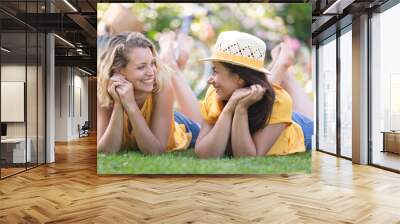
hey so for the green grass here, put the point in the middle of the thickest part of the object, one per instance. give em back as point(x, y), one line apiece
point(185, 162)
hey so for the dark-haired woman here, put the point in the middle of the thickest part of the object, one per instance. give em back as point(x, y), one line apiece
point(244, 113)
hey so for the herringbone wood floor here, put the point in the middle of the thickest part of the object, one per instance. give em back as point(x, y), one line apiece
point(70, 191)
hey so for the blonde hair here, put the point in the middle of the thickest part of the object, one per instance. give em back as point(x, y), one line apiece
point(115, 56)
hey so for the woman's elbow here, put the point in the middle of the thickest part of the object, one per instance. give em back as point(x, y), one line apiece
point(160, 150)
point(202, 153)
point(100, 149)
point(107, 147)
point(252, 154)
point(155, 150)
point(199, 152)
point(260, 153)
point(106, 150)
point(246, 154)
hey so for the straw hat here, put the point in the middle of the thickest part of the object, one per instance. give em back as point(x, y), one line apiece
point(240, 48)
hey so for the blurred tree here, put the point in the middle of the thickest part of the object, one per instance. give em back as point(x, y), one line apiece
point(271, 22)
point(298, 20)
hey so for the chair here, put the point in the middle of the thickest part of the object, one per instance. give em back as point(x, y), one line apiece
point(84, 130)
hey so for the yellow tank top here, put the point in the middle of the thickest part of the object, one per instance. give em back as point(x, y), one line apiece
point(178, 138)
point(291, 139)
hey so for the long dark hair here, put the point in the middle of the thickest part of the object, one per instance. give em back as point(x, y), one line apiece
point(260, 112)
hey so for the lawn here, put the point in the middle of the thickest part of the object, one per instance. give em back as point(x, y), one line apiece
point(185, 162)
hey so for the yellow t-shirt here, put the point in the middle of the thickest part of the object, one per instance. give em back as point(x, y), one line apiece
point(178, 138)
point(291, 139)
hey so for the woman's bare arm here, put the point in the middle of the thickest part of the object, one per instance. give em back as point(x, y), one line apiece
point(243, 144)
point(109, 128)
point(212, 140)
point(153, 139)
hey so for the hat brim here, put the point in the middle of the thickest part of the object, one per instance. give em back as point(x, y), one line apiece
point(263, 70)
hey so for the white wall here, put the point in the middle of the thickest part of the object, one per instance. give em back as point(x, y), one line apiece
point(13, 73)
point(61, 103)
point(80, 100)
point(69, 85)
point(33, 127)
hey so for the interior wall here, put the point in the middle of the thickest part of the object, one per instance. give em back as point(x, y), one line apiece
point(61, 103)
point(80, 109)
point(17, 73)
point(92, 98)
point(71, 102)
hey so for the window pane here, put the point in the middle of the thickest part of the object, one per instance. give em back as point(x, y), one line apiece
point(14, 153)
point(327, 97)
point(41, 99)
point(346, 94)
point(31, 97)
point(385, 87)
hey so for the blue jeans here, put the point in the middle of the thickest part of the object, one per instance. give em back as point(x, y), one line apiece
point(191, 126)
point(307, 126)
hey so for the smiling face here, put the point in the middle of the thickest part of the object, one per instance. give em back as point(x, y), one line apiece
point(224, 82)
point(141, 69)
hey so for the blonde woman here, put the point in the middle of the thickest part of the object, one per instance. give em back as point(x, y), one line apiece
point(135, 100)
point(246, 112)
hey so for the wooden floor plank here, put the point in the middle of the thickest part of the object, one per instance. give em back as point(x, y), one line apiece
point(70, 191)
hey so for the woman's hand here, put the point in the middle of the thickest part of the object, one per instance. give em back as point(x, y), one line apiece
point(255, 95)
point(125, 90)
point(167, 50)
point(282, 55)
point(286, 55)
point(111, 89)
point(185, 44)
point(237, 95)
point(275, 52)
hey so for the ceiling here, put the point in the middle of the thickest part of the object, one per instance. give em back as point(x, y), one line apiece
point(326, 13)
point(75, 23)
